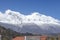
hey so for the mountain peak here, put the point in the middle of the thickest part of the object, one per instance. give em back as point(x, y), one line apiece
point(34, 23)
point(14, 17)
point(8, 11)
point(35, 13)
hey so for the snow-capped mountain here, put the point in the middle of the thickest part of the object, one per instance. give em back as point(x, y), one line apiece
point(33, 23)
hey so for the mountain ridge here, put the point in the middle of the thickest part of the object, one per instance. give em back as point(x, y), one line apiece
point(35, 17)
point(33, 23)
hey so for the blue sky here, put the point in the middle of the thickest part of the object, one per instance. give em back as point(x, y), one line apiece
point(47, 7)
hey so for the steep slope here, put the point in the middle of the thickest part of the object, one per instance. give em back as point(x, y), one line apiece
point(33, 23)
point(7, 32)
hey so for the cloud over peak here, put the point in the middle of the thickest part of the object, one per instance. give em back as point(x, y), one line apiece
point(14, 17)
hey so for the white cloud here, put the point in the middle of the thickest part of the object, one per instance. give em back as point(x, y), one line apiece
point(14, 17)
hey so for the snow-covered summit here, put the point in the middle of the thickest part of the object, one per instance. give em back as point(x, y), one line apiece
point(33, 23)
point(14, 17)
